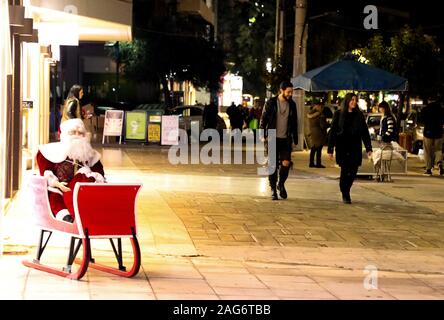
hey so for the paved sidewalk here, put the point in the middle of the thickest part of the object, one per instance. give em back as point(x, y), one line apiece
point(211, 232)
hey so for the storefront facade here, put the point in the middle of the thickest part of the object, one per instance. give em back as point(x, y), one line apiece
point(5, 83)
point(29, 49)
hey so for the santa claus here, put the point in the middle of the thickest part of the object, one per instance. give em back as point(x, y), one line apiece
point(67, 162)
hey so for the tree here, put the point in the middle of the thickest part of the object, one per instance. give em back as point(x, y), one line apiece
point(167, 47)
point(283, 70)
point(247, 31)
point(410, 54)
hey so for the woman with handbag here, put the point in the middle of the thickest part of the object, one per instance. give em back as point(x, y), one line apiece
point(72, 108)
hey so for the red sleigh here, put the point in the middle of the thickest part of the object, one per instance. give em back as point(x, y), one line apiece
point(102, 211)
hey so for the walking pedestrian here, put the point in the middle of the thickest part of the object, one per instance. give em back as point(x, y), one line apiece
point(235, 115)
point(280, 114)
point(72, 108)
point(318, 133)
point(209, 116)
point(433, 117)
point(245, 112)
point(255, 116)
point(346, 135)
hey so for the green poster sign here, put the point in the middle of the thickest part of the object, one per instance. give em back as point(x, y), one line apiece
point(136, 125)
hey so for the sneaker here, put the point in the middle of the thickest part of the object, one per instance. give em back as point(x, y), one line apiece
point(428, 172)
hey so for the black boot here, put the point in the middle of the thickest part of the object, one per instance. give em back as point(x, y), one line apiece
point(441, 169)
point(282, 191)
point(274, 195)
point(344, 185)
point(68, 218)
point(319, 158)
point(283, 175)
point(273, 181)
point(346, 198)
point(312, 156)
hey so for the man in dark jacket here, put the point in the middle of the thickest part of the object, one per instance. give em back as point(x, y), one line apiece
point(433, 117)
point(280, 114)
point(209, 116)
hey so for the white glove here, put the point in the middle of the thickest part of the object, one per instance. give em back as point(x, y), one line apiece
point(85, 170)
point(99, 178)
point(51, 178)
point(54, 182)
point(62, 186)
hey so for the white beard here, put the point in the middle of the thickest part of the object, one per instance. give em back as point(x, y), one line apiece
point(79, 148)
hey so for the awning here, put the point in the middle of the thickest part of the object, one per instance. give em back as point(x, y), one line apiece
point(348, 74)
point(64, 22)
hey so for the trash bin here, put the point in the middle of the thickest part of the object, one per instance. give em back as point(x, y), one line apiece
point(405, 140)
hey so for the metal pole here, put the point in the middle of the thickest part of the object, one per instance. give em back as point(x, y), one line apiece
point(16, 137)
point(276, 33)
point(299, 58)
point(117, 70)
point(281, 31)
point(54, 99)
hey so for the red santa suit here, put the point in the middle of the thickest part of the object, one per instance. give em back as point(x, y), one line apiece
point(58, 166)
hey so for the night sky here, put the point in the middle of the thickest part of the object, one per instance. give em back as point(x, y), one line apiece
point(393, 15)
point(425, 12)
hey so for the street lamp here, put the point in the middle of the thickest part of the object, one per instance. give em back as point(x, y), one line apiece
point(269, 65)
point(269, 68)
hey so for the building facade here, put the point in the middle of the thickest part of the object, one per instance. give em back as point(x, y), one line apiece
point(32, 32)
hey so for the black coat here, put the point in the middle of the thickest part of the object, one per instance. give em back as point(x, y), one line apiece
point(236, 117)
point(209, 117)
point(269, 118)
point(433, 117)
point(348, 131)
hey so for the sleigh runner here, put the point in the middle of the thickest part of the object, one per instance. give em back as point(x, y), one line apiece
point(102, 211)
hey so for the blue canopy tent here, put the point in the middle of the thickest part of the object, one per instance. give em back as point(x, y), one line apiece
point(348, 74)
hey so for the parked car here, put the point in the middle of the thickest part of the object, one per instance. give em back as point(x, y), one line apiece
point(413, 124)
point(374, 124)
point(190, 114)
point(100, 107)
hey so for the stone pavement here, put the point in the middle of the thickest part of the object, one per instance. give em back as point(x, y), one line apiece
point(211, 232)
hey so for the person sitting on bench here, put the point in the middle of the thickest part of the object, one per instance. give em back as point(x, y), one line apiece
point(67, 162)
